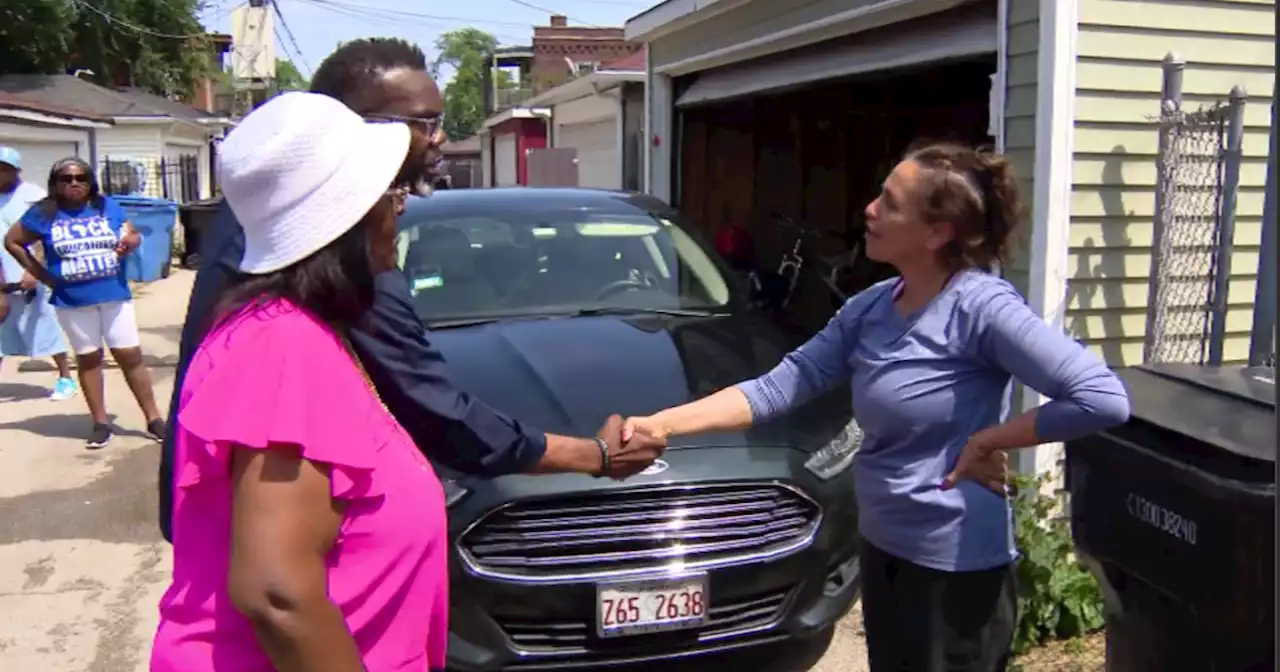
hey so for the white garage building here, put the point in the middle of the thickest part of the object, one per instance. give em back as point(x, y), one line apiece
point(587, 115)
point(151, 145)
point(44, 134)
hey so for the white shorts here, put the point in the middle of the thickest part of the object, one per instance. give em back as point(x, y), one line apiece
point(89, 327)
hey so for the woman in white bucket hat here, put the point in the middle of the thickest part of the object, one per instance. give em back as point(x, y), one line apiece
point(310, 532)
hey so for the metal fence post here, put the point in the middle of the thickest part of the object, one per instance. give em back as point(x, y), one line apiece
point(1170, 108)
point(163, 170)
point(1227, 224)
point(1262, 338)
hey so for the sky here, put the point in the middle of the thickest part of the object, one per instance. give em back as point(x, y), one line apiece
point(318, 26)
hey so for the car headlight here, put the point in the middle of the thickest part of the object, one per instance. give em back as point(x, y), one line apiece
point(837, 455)
point(453, 493)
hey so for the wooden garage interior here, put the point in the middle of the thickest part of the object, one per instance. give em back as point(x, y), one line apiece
point(818, 156)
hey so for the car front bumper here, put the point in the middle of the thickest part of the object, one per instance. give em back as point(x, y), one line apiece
point(497, 623)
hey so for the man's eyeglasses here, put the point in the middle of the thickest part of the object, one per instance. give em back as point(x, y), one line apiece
point(77, 178)
point(432, 125)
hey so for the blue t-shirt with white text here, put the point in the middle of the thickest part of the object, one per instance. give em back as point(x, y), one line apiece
point(80, 251)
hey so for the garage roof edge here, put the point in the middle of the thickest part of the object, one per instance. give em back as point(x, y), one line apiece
point(581, 87)
point(51, 114)
point(860, 18)
point(672, 15)
point(515, 113)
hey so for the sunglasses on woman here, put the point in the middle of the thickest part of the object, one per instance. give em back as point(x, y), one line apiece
point(75, 178)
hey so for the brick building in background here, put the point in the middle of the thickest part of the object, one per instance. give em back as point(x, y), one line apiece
point(211, 93)
point(561, 51)
point(557, 53)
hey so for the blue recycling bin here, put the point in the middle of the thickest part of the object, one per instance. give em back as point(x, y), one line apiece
point(154, 218)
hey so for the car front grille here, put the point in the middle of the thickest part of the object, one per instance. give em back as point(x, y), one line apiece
point(631, 533)
point(577, 638)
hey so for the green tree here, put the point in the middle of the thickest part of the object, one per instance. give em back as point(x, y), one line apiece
point(288, 78)
point(156, 45)
point(35, 36)
point(466, 50)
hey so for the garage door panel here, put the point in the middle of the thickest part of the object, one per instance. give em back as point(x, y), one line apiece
point(39, 157)
point(504, 160)
point(933, 39)
point(599, 165)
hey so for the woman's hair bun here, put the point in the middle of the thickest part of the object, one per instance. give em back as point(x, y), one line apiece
point(976, 189)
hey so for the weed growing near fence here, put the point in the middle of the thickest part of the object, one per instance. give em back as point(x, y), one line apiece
point(1057, 597)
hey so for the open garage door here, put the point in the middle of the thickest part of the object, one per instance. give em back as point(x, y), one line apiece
point(39, 157)
point(945, 36)
point(599, 163)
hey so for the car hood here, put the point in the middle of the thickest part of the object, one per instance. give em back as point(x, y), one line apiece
point(566, 375)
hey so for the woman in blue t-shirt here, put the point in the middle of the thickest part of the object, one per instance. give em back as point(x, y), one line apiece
point(86, 236)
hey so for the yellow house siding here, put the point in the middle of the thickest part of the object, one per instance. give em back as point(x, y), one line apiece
point(1121, 44)
point(1023, 38)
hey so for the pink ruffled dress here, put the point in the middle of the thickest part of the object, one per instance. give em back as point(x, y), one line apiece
point(275, 376)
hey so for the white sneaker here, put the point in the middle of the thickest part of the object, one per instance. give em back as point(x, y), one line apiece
point(65, 388)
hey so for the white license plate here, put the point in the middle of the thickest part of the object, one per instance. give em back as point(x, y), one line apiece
point(655, 605)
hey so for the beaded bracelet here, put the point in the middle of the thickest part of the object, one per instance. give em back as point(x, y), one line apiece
point(604, 456)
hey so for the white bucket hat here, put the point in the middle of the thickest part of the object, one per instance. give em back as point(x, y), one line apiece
point(300, 171)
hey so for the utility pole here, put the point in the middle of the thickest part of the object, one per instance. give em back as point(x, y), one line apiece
point(253, 55)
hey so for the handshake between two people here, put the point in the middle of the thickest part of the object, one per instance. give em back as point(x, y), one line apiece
point(629, 446)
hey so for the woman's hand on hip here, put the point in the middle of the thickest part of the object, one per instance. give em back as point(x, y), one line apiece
point(982, 464)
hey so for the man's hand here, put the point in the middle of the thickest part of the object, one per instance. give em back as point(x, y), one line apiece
point(630, 457)
point(4, 307)
point(28, 281)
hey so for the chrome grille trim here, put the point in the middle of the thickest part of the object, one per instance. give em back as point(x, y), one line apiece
point(652, 530)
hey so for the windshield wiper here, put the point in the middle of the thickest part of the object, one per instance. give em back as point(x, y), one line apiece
point(618, 310)
point(461, 322)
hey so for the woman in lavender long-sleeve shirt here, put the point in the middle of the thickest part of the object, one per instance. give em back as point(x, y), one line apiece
point(929, 356)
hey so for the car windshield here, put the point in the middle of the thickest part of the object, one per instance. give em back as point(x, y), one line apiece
point(545, 261)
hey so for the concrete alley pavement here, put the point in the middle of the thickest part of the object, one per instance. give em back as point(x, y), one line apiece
point(82, 563)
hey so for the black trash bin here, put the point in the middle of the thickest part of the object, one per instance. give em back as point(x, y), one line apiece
point(1174, 513)
point(196, 217)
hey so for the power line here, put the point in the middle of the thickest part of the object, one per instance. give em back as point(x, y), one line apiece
point(617, 3)
point(396, 15)
point(216, 9)
point(284, 49)
point(530, 5)
point(116, 21)
point(435, 24)
point(284, 24)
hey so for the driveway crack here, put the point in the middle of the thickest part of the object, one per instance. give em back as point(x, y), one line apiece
point(118, 646)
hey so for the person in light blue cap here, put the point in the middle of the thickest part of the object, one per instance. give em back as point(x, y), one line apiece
point(30, 328)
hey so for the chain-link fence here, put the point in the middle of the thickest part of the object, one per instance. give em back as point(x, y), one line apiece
point(1197, 178)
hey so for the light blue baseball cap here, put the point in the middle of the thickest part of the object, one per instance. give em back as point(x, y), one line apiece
point(10, 156)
